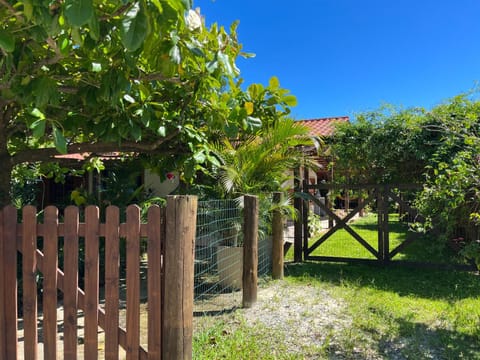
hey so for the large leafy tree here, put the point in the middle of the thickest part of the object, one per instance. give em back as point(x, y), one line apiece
point(141, 77)
point(384, 146)
point(438, 148)
point(451, 193)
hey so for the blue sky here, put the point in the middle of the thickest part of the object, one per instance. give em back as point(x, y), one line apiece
point(341, 57)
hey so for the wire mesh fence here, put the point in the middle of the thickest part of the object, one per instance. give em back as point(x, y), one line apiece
point(219, 256)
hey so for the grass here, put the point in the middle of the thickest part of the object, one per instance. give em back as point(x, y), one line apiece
point(421, 315)
point(233, 338)
point(397, 313)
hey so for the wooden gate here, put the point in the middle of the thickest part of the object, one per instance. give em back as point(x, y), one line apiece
point(169, 235)
point(381, 198)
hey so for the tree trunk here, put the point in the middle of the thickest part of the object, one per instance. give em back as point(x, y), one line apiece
point(5, 181)
point(5, 158)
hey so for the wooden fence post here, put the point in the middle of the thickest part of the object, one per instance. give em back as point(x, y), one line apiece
point(277, 238)
point(181, 215)
point(298, 225)
point(250, 251)
point(306, 211)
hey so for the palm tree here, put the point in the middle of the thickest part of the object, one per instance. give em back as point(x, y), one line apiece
point(263, 162)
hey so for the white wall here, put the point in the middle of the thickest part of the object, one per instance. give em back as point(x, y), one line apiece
point(159, 188)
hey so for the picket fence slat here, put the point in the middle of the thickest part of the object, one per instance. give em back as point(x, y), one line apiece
point(70, 269)
point(112, 263)
point(10, 281)
point(155, 234)
point(50, 250)
point(92, 263)
point(30, 311)
point(133, 282)
point(23, 237)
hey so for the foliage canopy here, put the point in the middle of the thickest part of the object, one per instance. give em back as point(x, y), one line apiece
point(139, 77)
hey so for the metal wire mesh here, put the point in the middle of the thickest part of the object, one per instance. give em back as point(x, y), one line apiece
point(219, 256)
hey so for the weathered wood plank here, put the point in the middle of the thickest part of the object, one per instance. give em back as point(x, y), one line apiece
point(155, 234)
point(81, 305)
point(70, 294)
point(10, 280)
point(50, 249)
point(277, 239)
point(179, 259)
point(133, 282)
point(29, 270)
point(250, 251)
point(112, 275)
point(91, 281)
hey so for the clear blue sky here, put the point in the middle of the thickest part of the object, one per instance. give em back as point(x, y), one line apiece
point(341, 57)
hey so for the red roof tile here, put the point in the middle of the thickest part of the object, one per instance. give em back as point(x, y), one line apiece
point(85, 155)
point(323, 126)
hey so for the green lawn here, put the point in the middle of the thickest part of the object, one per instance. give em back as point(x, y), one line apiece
point(397, 313)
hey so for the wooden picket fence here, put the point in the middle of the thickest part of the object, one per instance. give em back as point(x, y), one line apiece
point(170, 236)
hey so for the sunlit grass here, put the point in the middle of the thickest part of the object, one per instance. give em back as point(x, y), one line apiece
point(396, 312)
point(404, 313)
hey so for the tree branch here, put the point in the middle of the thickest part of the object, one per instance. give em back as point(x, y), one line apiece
point(49, 154)
point(12, 10)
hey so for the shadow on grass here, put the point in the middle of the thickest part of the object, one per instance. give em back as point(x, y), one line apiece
point(426, 283)
point(419, 341)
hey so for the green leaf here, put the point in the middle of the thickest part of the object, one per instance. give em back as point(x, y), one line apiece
point(7, 41)
point(225, 61)
point(94, 27)
point(38, 128)
point(38, 114)
point(128, 98)
point(59, 140)
point(158, 5)
point(136, 132)
point(96, 67)
point(134, 28)
point(199, 156)
point(187, 4)
point(28, 9)
point(290, 100)
point(175, 54)
point(274, 83)
point(255, 91)
point(78, 12)
point(64, 46)
point(212, 65)
point(253, 122)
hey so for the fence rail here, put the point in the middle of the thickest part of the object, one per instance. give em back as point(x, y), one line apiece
point(169, 234)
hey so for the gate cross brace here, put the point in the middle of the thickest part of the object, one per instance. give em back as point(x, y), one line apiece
point(342, 223)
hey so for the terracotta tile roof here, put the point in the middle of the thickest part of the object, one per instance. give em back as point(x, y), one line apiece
point(323, 126)
point(84, 156)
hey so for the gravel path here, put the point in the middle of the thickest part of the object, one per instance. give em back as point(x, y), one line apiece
point(306, 316)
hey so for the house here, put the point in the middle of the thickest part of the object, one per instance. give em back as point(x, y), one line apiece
point(323, 128)
point(120, 178)
point(98, 184)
